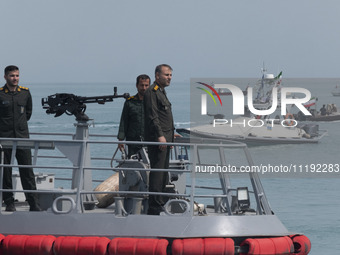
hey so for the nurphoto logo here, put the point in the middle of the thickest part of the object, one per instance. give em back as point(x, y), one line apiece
point(239, 104)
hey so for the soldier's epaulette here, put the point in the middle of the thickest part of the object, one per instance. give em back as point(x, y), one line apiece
point(132, 97)
point(24, 88)
point(4, 89)
point(155, 88)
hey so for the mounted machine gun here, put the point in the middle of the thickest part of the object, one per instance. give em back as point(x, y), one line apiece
point(71, 104)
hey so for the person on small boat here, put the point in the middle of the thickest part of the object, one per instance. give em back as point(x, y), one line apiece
point(323, 110)
point(131, 125)
point(331, 108)
point(334, 108)
point(247, 112)
point(159, 127)
point(15, 111)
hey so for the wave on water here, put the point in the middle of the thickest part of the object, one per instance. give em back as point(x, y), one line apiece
point(182, 124)
point(106, 125)
point(39, 126)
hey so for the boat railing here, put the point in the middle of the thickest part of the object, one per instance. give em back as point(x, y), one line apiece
point(80, 193)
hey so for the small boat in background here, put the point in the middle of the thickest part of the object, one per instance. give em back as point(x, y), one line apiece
point(328, 112)
point(336, 91)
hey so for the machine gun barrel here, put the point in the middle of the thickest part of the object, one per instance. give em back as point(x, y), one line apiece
point(102, 99)
point(71, 104)
point(98, 99)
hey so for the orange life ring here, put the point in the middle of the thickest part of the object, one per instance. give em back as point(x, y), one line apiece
point(290, 117)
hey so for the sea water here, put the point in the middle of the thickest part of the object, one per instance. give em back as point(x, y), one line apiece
point(308, 205)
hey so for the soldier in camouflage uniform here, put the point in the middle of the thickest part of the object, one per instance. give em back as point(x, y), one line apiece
point(159, 127)
point(131, 126)
point(15, 111)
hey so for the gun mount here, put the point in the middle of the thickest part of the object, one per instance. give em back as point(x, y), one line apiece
point(71, 104)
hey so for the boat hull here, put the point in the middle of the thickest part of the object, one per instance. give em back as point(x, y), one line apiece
point(249, 140)
point(141, 226)
point(331, 117)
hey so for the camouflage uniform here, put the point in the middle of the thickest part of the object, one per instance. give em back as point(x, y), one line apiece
point(158, 122)
point(15, 111)
point(131, 127)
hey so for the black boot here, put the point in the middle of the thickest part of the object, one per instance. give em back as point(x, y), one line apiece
point(35, 208)
point(33, 202)
point(10, 207)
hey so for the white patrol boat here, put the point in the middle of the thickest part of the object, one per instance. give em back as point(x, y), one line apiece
point(258, 129)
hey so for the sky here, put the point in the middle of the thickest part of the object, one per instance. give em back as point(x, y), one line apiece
point(57, 41)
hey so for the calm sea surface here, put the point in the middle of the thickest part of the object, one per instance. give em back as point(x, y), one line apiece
point(306, 205)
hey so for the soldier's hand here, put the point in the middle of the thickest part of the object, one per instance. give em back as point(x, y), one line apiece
point(121, 147)
point(162, 139)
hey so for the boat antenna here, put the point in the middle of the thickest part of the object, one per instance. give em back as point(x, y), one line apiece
point(263, 69)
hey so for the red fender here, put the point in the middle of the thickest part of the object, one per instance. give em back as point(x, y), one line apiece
point(28, 245)
point(203, 246)
point(302, 244)
point(135, 246)
point(74, 245)
point(275, 245)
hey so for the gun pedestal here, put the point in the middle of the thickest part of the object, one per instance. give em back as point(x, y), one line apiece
point(82, 134)
point(71, 104)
